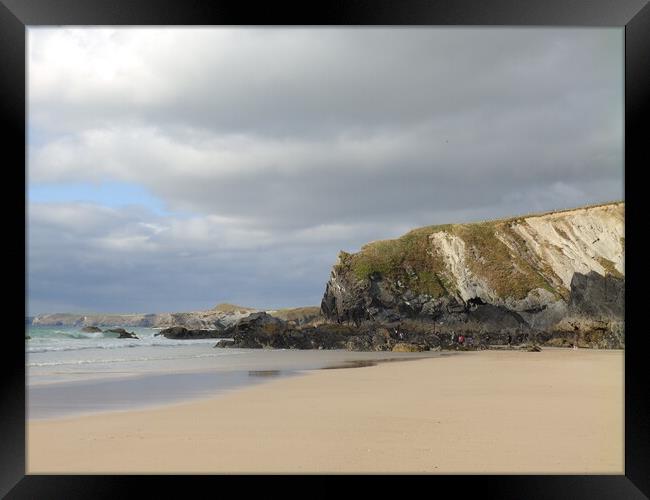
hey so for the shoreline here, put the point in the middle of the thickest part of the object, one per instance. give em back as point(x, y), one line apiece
point(137, 392)
point(558, 411)
point(96, 394)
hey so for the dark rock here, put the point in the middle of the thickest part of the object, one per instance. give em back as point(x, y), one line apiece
point(345, 300)
point(350, 300)
point(534, 348)
point(257, 320)
point(260, 330)
point(373, 315)
point(596, 296)
point(182, 333)
point(586, 332)
point(225, 343)
point(116, 330)
point(592, 315)
point(359, 343)
point(494, 318)
point(123, 334)
point(596, 314)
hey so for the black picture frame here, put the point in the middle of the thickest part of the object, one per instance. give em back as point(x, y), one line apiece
point(17, 15)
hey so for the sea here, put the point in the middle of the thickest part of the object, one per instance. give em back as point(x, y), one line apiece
point(71, 373)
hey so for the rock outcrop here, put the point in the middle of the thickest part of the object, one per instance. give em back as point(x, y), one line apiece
point(261, 331)
point(220, 316)
point(123, 334)
point(404, 347)
point(217, 318)
point(536, 277)
point(595, 315)
point(182, 333)
point(299, 315)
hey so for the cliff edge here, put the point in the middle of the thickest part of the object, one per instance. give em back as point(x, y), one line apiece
point(556, 277)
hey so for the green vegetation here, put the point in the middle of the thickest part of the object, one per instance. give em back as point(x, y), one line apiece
point(298, 314)
point(562, 233)
point(522, 218)
point(409, 259)
point(229, 308)
point(490, 258)
point(413, 261)
point(511, 270)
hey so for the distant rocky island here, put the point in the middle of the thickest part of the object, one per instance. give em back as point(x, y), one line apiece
point(219, 317)
point(553, 279)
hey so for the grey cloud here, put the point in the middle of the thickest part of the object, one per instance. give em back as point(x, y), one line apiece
point(120, 261)
point(283, 82)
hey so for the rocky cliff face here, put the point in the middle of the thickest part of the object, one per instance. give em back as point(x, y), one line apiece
point(221, 316)
point(550, 275)
point(218, 318)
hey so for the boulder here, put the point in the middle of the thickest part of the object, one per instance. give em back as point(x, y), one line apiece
point(123, 334)
point(182, 333)
point(359, 343)
point(406, 347)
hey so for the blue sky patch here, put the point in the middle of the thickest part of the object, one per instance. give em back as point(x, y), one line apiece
point(110, 194)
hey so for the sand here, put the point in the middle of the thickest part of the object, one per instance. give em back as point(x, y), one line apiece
point(556, 411)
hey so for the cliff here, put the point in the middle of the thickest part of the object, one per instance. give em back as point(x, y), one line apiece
point(558, 277)
point(219, 317)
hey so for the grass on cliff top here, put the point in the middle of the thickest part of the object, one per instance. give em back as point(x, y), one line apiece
point(510, 272)
point(522, 217)
point(229, 308)
point(408, 259)
point(296, 313)
point(412, 259)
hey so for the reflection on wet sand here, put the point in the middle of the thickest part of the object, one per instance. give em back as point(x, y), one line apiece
point(360, 363)
point(264, 373)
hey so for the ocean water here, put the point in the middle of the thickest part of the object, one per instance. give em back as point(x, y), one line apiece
point(62, 354)
point(71, 372)
point(61, 338)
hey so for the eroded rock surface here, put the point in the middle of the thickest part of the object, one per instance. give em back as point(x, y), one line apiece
point(182, 333)
point(546, 277)
point(123, 334)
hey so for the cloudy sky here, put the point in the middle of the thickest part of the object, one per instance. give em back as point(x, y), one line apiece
point(172, 169)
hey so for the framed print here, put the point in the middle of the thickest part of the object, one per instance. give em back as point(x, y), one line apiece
point(352, 239)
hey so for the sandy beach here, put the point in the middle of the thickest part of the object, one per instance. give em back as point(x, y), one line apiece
point(556, 411)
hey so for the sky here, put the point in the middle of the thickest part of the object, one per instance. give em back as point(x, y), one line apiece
point(171, 169)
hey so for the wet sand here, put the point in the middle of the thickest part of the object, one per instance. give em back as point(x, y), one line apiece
point(141, 385)
point(556, 411)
